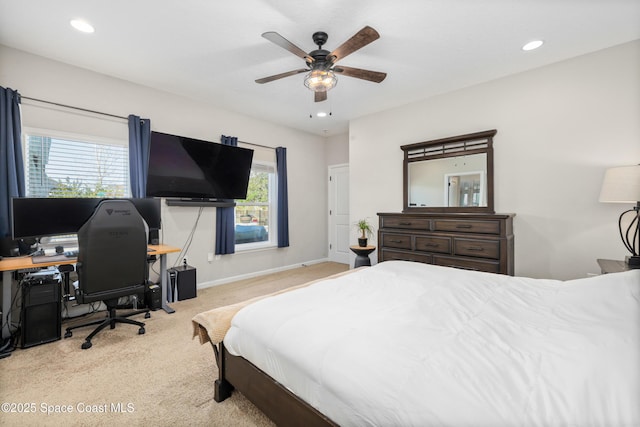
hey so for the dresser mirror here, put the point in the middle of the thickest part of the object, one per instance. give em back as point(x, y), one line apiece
point(450, 175)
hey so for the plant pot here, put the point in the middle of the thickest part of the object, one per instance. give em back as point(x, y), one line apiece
point(362, 242)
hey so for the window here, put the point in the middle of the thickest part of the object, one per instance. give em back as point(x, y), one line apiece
point(58, 165)
point(255, 217)
point(66, 165)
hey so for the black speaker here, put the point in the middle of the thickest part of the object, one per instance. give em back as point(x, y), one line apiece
point(9, 247)
point(41, 313)
point(153, 297)
point(154, 236)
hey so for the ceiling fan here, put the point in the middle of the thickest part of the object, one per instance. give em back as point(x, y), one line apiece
point(321, 64)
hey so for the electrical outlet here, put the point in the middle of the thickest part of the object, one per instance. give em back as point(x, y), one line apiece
point(210, 257)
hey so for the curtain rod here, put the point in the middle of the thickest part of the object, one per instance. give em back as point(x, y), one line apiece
point(115, 116)
point(256, 145)
point(74, 108)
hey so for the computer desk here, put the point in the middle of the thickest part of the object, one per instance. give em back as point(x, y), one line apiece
point(11, 264)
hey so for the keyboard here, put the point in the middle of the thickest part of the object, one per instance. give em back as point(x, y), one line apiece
point(41, 259)
point(63, 257)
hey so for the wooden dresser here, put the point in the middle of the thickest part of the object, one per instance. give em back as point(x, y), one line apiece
point(481, 242)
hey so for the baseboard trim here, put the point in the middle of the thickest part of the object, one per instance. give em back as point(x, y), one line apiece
point(226, 280)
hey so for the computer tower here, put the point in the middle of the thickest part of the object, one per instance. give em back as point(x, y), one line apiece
point(182, 283)
point(41, 313)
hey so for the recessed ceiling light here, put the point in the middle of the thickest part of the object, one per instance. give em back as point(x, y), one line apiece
point(82, 26)
point(321, 114)
point(532, 45)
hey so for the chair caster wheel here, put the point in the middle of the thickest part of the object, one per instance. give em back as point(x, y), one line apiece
point(86, 345)
point(68, 334)
point(147, 315)
point(141, 331)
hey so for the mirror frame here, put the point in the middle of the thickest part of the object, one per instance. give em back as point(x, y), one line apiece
point(472, 143)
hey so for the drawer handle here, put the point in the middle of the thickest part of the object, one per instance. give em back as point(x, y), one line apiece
point(395, 241)
point(462, 268)
point(405, 223)
point(464, 226)
point(475, 249)
point(432, 245)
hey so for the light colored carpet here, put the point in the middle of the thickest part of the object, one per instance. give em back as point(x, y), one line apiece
point(160, 378)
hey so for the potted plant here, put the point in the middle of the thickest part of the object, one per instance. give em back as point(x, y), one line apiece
point(366, 230)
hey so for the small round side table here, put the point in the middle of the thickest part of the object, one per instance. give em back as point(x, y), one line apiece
point(362, 255)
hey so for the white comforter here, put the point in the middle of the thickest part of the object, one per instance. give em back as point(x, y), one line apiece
point(408, 344)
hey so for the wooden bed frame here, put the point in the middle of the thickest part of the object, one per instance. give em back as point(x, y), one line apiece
point(278, 403)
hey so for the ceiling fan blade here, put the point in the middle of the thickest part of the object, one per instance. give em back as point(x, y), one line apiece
point(358, 73)
point(281, 75)
point(276, 38)
point(320, 96)
point(359, 40)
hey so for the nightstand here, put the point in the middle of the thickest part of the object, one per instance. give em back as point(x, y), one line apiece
point(362, 255)
point(612, 266)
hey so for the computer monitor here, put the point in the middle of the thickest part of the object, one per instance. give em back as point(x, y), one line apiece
point(41, 217)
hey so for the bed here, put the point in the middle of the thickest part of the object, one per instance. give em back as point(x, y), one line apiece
point(411, 344)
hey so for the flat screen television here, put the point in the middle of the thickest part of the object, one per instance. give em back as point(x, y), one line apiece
point(187, 168)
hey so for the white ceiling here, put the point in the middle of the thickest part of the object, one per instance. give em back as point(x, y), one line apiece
point(213, 51)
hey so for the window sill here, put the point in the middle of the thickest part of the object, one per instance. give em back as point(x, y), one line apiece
point(255, 247)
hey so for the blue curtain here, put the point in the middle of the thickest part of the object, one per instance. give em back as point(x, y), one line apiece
point(283, 198)
point(12, 182)
point(225, 221)
point(139, 141)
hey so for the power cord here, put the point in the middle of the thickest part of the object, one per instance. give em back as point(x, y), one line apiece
point(189, 240)
point(10, 343)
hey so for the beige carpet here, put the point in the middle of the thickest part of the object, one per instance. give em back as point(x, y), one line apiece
point(160, 378)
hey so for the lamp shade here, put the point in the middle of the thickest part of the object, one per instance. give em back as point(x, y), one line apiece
point(621, 185)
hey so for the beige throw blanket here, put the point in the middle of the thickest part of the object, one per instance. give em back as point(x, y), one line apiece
point(212, 325)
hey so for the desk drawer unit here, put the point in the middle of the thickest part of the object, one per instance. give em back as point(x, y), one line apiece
point(482, 242)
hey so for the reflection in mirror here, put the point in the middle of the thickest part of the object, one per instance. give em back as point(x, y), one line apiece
point(459, 181)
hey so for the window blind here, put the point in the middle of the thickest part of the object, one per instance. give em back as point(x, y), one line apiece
point(73, 167)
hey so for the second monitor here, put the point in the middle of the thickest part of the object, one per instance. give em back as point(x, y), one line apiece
point(39, 217)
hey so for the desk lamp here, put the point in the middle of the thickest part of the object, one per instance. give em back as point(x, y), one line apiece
point(622, 185)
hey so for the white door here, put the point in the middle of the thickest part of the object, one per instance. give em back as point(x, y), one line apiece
point(339, 228)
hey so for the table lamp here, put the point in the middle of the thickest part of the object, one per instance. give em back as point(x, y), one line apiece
point(622, 185)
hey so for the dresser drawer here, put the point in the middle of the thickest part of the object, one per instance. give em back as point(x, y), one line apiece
point(464, 226)
point(433, 244)
point(476, 248)
point(399, 241)
point(467, 264)
point(387, 255)
point(407, 223)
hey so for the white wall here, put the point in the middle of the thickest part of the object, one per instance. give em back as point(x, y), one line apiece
point(338, 149)
point(38, 77)
point(559, 127)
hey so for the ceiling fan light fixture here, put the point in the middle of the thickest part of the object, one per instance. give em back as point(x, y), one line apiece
point(320, 80)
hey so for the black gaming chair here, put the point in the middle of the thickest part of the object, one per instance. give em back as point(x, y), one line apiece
point(112, 262)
